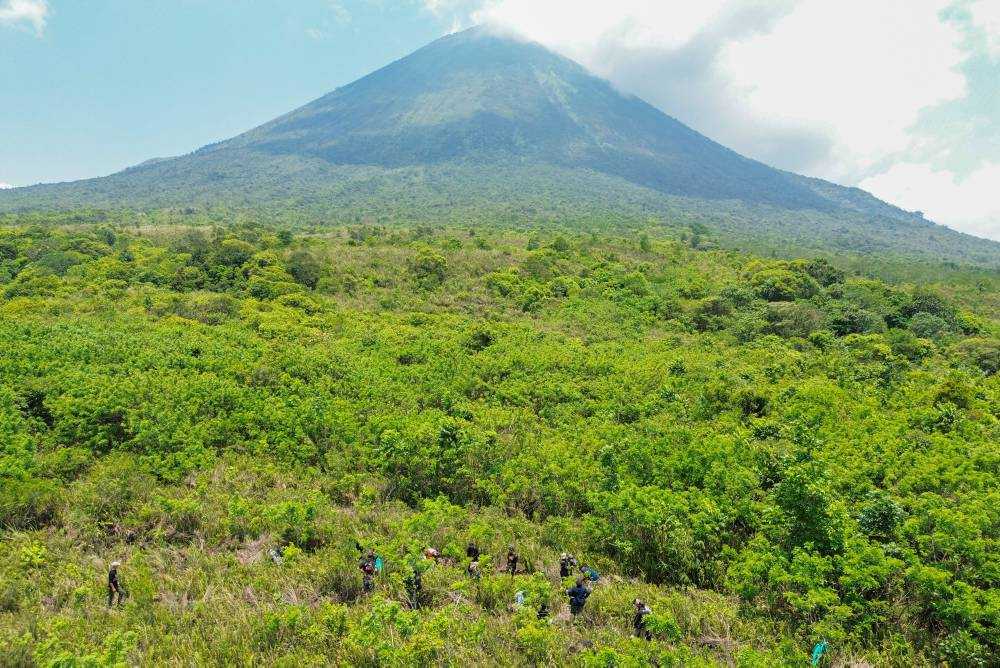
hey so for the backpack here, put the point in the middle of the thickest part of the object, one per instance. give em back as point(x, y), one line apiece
point(578, 595)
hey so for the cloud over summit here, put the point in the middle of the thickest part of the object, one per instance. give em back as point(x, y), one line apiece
point(836, 90)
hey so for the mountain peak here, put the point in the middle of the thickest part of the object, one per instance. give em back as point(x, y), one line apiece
point(484, 116)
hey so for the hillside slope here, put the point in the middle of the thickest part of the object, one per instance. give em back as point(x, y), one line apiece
point(476, 121)
point(768, 452)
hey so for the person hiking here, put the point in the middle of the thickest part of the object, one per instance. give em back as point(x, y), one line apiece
point(639, 620)
point(577, 597)
point(414, 588)
point(590, 573)
point(566, 564)
point(114, 584)
point(367, 566)
point(472, 551)
point(473, 569)
point(369, 554)
point(818, 651)
point(543, 610)
point(511, 561)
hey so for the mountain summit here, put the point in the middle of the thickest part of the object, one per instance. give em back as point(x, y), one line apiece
point(479, 121)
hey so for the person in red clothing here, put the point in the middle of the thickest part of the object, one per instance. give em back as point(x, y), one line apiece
point(367, 566)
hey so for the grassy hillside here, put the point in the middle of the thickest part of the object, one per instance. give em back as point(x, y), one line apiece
point(769, 452)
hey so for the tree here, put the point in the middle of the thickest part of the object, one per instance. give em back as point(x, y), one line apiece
point(234, 252)
point(429, 267)
point(305, 268)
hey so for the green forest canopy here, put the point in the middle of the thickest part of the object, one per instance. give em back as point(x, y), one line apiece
point(771, 452)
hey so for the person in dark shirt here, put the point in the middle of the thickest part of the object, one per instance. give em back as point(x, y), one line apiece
point(566, 564)
point(472, 551)
point(414, 587)
point(577, 597)
point(639, 620)
point(511, 561)
point(114, 585)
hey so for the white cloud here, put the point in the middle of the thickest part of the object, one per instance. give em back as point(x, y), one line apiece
point(575, 25)
point(5, 186)
point(20, 12)
point(968, 204)
point(314, 33)
point(846, 80)
point(862, 70)
point(986, 17)
point(838, 90)
point(340, 13)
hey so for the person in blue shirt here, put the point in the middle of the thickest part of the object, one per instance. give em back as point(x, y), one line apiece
point(577, 597)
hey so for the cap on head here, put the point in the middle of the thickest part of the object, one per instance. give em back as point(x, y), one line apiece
point(115, 564)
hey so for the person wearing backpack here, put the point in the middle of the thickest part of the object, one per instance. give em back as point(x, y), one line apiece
point(566, 564)
point(367, 566)
point(577, 597)
point(639, 620)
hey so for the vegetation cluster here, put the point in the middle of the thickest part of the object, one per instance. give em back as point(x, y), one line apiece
point(769, 452)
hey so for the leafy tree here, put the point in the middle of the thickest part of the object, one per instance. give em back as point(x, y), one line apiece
point(305, 268)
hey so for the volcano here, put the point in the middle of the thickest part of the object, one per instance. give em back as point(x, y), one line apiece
point(480, 125)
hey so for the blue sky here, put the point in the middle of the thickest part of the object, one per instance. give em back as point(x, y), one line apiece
point(104, 84)
point(900, 97)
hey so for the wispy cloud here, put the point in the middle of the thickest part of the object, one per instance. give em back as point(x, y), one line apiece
point(24, 13)
point(340, 13)
point(5, 186)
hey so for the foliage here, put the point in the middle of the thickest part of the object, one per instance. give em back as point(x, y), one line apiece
point(769, 452)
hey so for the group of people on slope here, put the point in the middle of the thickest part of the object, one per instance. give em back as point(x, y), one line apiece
point(370, 564)
point(577, 594)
